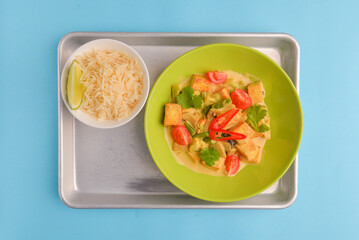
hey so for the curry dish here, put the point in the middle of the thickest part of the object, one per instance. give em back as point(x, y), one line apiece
point(217, 123)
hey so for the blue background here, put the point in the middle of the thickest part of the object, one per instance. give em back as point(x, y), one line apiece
point(327, 203)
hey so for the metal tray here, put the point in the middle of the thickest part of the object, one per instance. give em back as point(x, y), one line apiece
point(114, 169)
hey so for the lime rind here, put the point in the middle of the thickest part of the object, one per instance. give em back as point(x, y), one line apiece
point(74, 87)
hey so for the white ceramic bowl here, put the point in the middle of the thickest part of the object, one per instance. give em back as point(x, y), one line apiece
point(105, 44)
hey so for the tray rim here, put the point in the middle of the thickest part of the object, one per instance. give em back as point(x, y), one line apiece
point(174, 34)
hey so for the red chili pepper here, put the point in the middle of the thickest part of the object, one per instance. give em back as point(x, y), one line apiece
point(221, 121)
point(217, 135)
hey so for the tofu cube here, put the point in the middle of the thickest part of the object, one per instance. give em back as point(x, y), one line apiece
point(244, 128)
point(173, 114)
point(256, 158)
point(256, 92)
point(248, 149)
point(201, 83)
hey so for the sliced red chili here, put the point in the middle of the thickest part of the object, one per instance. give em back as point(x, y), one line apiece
point(223, 135)
point(221, 121)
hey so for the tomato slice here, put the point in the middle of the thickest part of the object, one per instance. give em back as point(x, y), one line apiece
point(241, 99)
point(181, 135)
point(221, 121)
point(232, 165)
point(217, 77)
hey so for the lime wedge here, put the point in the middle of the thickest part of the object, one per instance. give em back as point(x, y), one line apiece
point(74, 87)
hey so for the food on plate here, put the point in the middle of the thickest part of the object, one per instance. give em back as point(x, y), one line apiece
point(217, 122)
point(111, 84)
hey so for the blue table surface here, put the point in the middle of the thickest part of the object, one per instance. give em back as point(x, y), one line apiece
point(326, 207)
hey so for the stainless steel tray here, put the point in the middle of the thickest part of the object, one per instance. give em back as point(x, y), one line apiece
point(114, 169)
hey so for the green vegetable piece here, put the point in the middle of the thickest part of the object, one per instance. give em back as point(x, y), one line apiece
point(187, 99)
point(175, 90)
point(206, 109)
point(201, 135)
point(208, 140)
point(235, 84)
point(197, 101)
point(263, 128)
point(190, 129)
point(222, 103)
point(210, 156)
point(255, 114)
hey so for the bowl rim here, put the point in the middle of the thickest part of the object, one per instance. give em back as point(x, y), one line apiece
point(140, 104)
point(295, 148)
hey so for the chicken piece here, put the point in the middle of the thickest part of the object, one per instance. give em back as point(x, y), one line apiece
point(220, 148)
point(255, 159)
point(191, 115)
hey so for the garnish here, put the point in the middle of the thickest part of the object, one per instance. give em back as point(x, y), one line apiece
point(263, 128)
point(255, 114)
point(187, 99)
point(210, 156)
point(197, 101)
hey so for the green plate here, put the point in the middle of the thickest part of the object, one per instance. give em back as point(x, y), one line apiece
point(284, 109)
